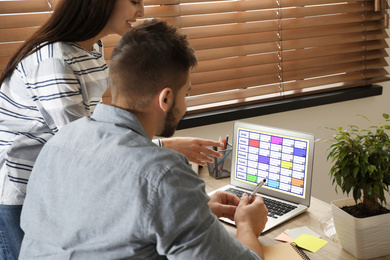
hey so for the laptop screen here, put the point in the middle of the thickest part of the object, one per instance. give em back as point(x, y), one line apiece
point(282, 157)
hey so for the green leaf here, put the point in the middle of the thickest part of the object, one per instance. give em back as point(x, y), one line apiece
point(377, 190)
point(357, 193)
point(338, 179)
point(348, 184)
point(371, 168)
point(369, 190)
point(355, 171)
point(344, 171)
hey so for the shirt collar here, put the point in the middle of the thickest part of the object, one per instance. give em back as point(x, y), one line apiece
point(118, 116)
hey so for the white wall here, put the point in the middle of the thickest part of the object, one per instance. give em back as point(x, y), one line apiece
point(312, 120)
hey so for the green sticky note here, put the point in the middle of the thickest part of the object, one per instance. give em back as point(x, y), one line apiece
point(309, 242)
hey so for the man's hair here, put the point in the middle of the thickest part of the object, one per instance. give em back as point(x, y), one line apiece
point(148, 58)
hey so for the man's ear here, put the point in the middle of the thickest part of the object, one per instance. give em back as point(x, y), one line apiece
point(166, 99)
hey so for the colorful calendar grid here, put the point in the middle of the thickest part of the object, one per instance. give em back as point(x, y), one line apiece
point(280, 160)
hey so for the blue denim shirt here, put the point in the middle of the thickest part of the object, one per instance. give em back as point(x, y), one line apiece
point(100, 189)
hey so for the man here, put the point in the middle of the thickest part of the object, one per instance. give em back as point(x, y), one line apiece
point(101, 189)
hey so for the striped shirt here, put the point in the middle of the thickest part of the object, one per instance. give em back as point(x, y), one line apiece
point(55, 85)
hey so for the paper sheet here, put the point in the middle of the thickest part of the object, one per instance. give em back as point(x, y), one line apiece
point(297, 232)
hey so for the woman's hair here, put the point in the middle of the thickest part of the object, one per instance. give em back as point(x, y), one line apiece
point(71, 21)
point(148, 58)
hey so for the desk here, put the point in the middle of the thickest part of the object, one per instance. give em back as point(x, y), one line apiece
point(311, 219)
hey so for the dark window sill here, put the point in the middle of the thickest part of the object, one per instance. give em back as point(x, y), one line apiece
point(266, 108)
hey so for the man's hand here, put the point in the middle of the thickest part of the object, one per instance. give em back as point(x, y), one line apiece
point(223, 204)
point(253, 215)
point(193, 148)
point(250, 221)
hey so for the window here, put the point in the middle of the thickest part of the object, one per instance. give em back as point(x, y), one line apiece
point(252, 51)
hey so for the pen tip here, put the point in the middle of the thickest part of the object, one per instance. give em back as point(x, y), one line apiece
point(264, 180)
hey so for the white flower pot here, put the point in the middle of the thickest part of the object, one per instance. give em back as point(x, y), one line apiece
point(364, 238)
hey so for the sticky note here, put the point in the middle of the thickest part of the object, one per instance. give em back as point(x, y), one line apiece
point(297, 232)
point(284, 237)
point(311, 243)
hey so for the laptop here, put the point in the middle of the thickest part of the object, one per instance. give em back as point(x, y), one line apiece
point(283, 157)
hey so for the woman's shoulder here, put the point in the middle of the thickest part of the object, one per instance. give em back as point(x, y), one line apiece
point(51, 51)
point(71, 50)
point(66, 53)
point(59, 56)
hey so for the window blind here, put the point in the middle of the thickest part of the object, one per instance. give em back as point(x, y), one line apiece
point(258, 50)
point(253, 51)
point(18, 20)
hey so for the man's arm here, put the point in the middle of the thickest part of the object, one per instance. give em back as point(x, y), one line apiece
point(250, 221)
point(187, 229)
point(250, 218)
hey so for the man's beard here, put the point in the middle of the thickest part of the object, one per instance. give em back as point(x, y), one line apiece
point(171, 122)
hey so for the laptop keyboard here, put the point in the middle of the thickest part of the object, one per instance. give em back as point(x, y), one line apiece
point(275, 208)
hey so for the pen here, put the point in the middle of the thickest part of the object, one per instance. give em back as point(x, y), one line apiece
point(225, 147)
point(216, 174)
point(215, 163)
point(223, 158)
point(257, 188)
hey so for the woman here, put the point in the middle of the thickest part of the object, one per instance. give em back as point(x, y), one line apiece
point(59, 75)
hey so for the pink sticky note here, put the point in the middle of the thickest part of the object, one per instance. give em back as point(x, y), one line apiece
point(284, 237)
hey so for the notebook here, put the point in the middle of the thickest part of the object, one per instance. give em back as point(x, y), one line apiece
point(283, 157)
point(284, 251)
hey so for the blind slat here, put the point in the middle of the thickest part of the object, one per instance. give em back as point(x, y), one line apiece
point(3, 62)
point(332, 60)
point(236, 62)
point(210, 54)
point(25, 20)
point(348, 77)
point(7, 7)
point(233, 84)
point(233, 95)
point(7, 49)
point(330, 40)
point(242, 72)
point(16, 34)
point(332, 69)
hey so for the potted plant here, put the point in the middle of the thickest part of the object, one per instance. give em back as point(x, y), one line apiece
point(361, 166)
